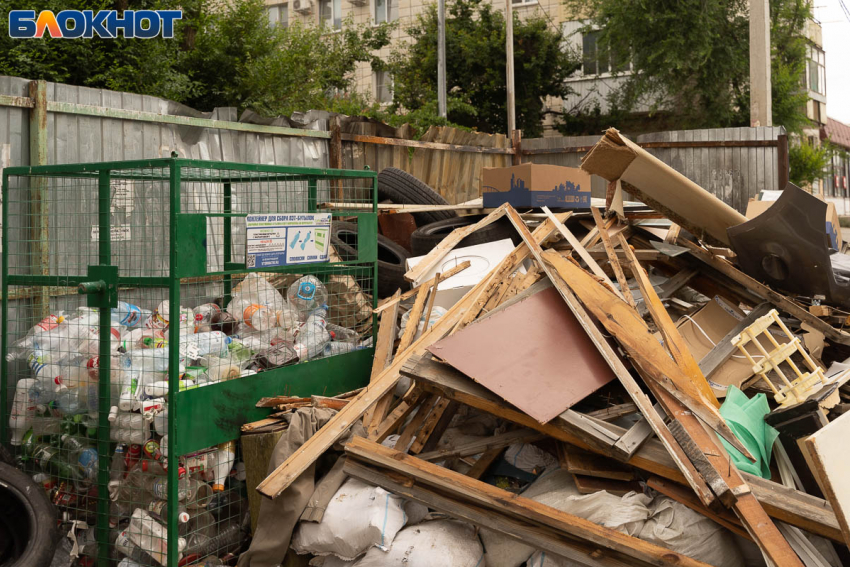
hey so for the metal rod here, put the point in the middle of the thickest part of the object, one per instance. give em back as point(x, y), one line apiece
point(104, 353)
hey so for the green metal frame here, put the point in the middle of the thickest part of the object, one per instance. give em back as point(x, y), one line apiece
point(221, 408)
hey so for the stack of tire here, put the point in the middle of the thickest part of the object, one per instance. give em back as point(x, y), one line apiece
point(399, 187)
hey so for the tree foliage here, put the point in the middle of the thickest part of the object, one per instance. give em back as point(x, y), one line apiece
point(224, 54)
point(690, 60)
point(475, 74)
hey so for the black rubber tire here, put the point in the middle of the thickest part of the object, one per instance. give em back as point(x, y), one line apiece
point(28, 522)
point(424, 238)
point(392, 258)
point(401, 188)
point(6, 456)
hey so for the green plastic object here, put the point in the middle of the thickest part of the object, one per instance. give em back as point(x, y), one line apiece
point(746, 418)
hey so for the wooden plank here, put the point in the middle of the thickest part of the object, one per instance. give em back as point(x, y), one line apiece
point(480, 446)
point(612, 258)
point(401, 142)
point(638, 396)
point(399, 414)
point(675, 283)
point(579, 461)
point(445, 246)
point(777, 299)
point(724, 349)
point(493, 498)
point(439, 415)
point(331, 403)
point(636, 436)
point(313, 448)
point(826, 452)
point(416, 422)
point(581, 251)
point(591, 484)
point(672, 338)
point(387, 329)
point(614, 412)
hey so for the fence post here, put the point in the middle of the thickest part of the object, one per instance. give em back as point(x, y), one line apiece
point(38, 194)
point(335, 154)
point(782, 160)
point(516, 144)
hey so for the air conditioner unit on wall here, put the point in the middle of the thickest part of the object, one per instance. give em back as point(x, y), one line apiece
point(302, 6)
point(359, 2)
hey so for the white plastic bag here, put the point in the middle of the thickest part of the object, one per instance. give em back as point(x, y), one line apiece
point(429, 544)
point(358, 517)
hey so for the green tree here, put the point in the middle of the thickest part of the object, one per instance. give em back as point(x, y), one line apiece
point(690, 60)
point(223, 54)
point(475, 75)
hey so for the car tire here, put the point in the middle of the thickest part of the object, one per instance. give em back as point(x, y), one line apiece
point(28, 524)
point(400, 187)
point(392, 258)
point(425, 238)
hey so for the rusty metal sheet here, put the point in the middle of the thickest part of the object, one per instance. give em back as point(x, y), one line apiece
point(533, 354)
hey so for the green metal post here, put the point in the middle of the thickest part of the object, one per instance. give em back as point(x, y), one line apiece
point(39, 198)
point(228, 226)
point(4, 318)
point(173, 362)
point(105, 326)
point(312, 195)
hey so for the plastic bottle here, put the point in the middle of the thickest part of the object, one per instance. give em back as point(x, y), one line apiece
point(23, 408)
point(204, 313)
point(129, 315)
point(311, 339)
point(288, 318)
point(212, 342)
point(343, 334)
point(128, 379)
point(160, 387)
point(117, 468)
point(334, 348)
point(49, 459)
point(160, 508)
point(142, 337)
point(198, 494)
point(26, 343)
point(130, 428)
point(157, 486)
point(81, 454)
point(257, 317)
point(307, 293)
point(229, 538)
point(278, 355)
point(225, 457)
point(124, 545)
point(150, 536)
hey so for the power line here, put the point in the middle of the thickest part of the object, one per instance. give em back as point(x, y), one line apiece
point(844, 9)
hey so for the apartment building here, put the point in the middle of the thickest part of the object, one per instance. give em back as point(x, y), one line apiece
point(378, 85)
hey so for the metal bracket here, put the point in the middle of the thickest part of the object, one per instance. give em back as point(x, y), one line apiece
point(102, 287)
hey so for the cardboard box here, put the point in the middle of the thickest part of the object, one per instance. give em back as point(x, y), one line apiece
point(536, 185)
point(833, 228)
point(482, 258)
point(705, 328)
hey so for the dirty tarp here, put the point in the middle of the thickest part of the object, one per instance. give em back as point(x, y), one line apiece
point(746, 418)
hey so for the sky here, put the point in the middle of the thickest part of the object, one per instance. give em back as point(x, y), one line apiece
point(836, 44)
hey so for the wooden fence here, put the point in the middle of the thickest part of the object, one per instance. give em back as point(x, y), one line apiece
point(732, 163)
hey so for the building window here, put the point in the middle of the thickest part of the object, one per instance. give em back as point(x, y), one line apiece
point(330, 13)
point(596, 60)
point(278, 15)
point(383, 87)
point(385, 11)
point(523, 2)
point(817, 71)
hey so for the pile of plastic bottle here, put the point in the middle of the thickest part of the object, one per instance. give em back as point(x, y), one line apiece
point(54, 417)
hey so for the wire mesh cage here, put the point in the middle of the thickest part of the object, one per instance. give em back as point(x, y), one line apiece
point(146, 307)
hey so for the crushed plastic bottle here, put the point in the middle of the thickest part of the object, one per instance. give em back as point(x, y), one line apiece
point(130, 315)
point(258, 317)
point(151, 536)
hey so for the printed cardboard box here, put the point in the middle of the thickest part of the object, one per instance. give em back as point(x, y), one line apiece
point(536, 185)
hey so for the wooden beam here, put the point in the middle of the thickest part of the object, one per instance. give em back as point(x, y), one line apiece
point(434, 427)
point(524, 509)
point(396, 417)
point(675, 283)
point(484, 461)
point(413, 426)
point(410, 293)
point(383, 356)
point(724, 349)
point(523, 435)
point(614, 412)
point(626, 293)
point(401, 142)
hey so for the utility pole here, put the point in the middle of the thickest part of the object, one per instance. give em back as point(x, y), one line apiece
point(441, 58)
point(509, 51)
point(761, 104)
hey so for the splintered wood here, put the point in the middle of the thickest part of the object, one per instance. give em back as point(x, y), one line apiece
point(554, 341)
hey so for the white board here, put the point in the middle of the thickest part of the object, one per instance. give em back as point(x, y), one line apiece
point(827, 455)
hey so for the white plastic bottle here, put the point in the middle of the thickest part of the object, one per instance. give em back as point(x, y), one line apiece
point(311, 340)
point(257, 317)
point(205, 313)
point(225, 456)
point(22, 345)
point(150, 536)
point(130, 428)
point(159, 388)
point(23, 409)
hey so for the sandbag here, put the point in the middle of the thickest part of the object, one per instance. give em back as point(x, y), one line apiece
point(358, 517)
point(543, 559)
point(529, 458)
point(677, 527)
point(438, 542)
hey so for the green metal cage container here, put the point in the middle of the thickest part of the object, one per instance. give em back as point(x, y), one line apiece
point(146, 310)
